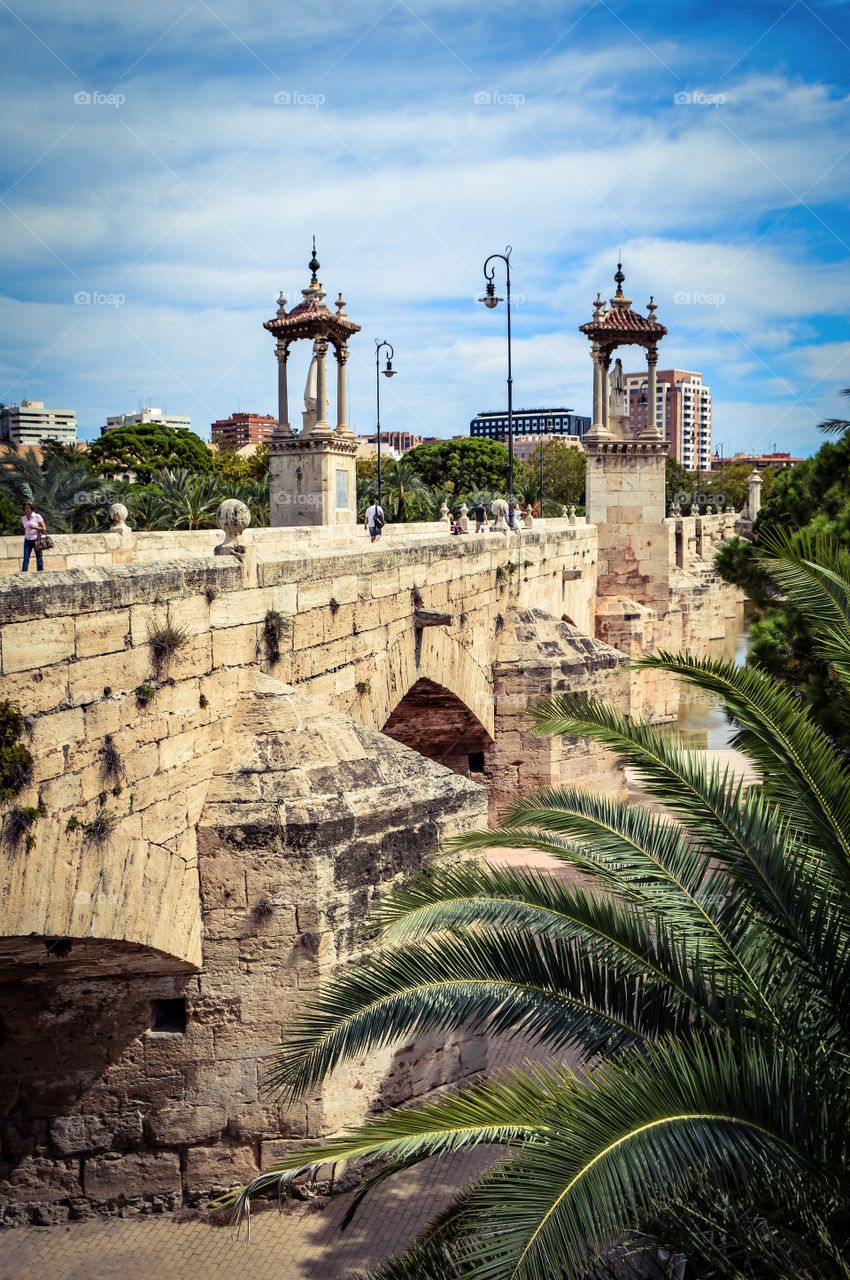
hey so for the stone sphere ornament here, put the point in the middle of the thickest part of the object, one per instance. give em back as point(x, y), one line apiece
point(500, 511)
point(118, 518)
point(233, 517)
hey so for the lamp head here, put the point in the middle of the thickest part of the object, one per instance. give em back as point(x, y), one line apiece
point(489, 297)
point(389, 372)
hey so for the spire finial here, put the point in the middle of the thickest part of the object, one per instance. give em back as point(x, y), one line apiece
point(619, 277)
point(314, 265)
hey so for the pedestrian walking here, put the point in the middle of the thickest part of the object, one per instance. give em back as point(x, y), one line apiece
point(479, 511)
point(374, 521)
point(35, 533)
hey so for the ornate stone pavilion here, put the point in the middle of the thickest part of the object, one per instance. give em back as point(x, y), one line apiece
point(312, 474)
point(616, 326)
point(625, 474)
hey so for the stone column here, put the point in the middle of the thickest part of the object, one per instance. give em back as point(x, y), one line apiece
point(754, 484)
point(320, 349)
point(342, 427)
point(597, 385)
point(605, 363)
point(651, 431)
point(282, 353)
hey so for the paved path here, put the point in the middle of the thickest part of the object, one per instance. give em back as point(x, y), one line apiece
point(306, 1244)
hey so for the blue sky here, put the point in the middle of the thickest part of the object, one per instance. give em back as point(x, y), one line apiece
point(172, 161)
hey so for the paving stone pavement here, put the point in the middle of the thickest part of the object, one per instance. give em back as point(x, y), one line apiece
point(305, 1244)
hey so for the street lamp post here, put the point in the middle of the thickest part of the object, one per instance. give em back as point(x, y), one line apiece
point(490, 299)
point(547, 428)
point(388, 372)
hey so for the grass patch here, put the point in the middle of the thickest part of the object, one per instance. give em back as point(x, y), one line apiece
point(111, 765)
point(99, 830)
point(164, 643)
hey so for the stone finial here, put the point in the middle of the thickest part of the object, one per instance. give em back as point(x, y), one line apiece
point(709, 509)
point(571, 513)
point(500, 510)
point(528, 517)
point(281, 304)
point(118, 519)
point(463, 518)
point(234, 518)
point(564, 513)
point(445, 514)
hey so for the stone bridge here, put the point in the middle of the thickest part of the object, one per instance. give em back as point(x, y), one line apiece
point(213, 825)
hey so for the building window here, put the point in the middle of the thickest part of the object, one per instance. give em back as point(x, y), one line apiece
point(168, 1016)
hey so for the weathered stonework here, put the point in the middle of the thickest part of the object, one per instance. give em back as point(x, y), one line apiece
point(260, 799)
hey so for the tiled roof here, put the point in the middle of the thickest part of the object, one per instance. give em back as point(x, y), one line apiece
point(623, 320)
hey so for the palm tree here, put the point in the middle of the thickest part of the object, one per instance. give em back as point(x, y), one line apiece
point(402, 490)
point(190, 500)
point(63, 490)
point(700, 971)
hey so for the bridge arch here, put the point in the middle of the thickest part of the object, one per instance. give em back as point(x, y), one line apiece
point(435, 655)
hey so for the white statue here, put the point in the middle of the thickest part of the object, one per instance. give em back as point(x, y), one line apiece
point(311, 397)
point(500, 510)
point(617, 402)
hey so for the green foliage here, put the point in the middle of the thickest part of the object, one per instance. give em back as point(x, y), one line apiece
point(10, 517)
point(404, 494)
point(63, 489)
point(812, 501)
point(460, 466)
point(18, 824)
point(15, 759)
point(148, 448)
point(145, 694)
point(232, 469)
point(693, 960)
point(564, 468)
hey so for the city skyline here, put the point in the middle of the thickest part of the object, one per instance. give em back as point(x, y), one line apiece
point(415, 140)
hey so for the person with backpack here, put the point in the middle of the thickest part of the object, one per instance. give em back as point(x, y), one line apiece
point(375, 519)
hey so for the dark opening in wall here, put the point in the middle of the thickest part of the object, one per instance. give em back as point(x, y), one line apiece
point(168, 1015)
point(475, 760)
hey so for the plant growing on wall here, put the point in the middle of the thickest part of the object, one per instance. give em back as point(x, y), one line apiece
point(164, 643)
point(273, 627)
point(18, 825)
point(15, 759)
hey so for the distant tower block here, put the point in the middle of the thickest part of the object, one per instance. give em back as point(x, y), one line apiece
point(625, 474)
point(312, 475)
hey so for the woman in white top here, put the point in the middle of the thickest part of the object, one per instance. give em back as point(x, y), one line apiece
point(33, 527)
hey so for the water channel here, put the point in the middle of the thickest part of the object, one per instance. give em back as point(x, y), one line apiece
point(701, 721)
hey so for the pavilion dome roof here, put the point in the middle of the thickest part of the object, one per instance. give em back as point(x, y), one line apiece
point(312, 318)
point(620, 322)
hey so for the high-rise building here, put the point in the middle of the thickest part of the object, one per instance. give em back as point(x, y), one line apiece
point(147, 414)
point(241, 429)
point(30, 423)
point(683, 412)
point(526, 422)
